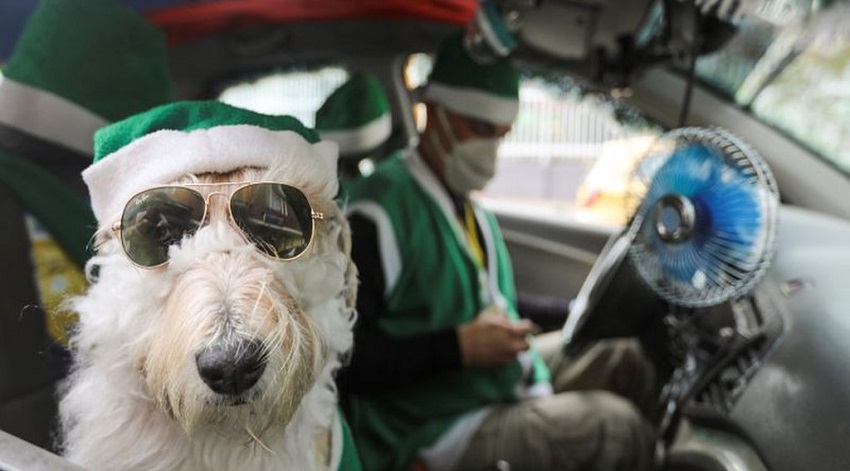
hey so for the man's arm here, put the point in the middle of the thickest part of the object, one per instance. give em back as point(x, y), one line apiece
point(381, 362)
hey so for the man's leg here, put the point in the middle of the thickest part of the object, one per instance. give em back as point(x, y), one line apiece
point(616, 365)
point(589, 430)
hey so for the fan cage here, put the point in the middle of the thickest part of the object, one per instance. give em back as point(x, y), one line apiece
point(732, 278)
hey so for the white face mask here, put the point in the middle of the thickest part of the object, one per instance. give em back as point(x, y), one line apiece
point(472, 163)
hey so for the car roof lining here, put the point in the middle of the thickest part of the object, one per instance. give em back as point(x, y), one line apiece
point(197, 66)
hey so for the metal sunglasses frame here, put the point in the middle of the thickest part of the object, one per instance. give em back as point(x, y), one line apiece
point(314, 215)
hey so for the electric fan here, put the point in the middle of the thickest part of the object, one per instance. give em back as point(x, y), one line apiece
point(703, 227)
point(704, 230)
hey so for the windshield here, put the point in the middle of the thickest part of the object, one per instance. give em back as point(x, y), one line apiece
point(790, 66)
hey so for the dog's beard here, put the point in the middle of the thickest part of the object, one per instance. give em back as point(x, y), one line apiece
point(220, 300)
point(136, 390)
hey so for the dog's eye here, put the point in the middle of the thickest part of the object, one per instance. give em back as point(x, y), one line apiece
point(167, 234)
point(171, 220)
point(158, 218)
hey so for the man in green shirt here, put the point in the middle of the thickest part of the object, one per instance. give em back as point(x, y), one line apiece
point(444, 372)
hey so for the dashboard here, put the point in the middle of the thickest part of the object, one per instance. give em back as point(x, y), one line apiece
point(760, 382)
point(763, 379)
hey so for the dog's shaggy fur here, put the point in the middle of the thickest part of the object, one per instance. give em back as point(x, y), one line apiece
point(136, 400)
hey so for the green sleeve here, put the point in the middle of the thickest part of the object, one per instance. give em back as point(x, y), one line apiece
point(350, 460)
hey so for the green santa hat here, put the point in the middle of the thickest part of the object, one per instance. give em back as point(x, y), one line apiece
point(356, 116)
point(78, 66)
point(489, 92)
point(164, 144)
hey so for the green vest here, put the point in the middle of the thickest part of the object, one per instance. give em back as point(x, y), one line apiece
point(350, 459)
point(432, 283)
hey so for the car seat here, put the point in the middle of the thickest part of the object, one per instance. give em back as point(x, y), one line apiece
point(27, 374)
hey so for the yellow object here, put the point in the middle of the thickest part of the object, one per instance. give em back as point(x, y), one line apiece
point(472, 234)
point(57, 277)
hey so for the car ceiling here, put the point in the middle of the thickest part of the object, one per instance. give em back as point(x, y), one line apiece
point(212, 41)
point(185, 20)
point(559, 32)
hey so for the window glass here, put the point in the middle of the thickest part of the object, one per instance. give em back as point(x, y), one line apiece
point(297, 93)
point(415, 74)
point(810, 98)
point(727, 69)
point(417, 69)
point(790, 66)
point(569, 155)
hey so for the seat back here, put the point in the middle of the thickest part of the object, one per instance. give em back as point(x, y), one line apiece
point(27, 378)
point(31, 361)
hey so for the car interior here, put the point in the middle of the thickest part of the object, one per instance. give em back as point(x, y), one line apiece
point(754, 379)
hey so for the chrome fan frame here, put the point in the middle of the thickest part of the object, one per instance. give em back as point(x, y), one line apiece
point(623, 245)
point(673, 221)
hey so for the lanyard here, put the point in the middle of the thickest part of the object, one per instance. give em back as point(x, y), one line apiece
point(472, 234)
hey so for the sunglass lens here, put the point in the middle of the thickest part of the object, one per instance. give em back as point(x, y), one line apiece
point(158, 218)
point(276, 218)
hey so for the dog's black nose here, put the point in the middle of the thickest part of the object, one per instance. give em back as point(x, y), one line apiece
point(231, 369)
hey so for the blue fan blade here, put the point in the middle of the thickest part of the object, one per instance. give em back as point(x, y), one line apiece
point(728, 218)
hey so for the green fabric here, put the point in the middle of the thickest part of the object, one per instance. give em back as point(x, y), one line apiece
point(190, 116)
point(107, 51)
point(540, 371)
point(356, 103)
point(350, 460)
point(66, 215)
point(391, 427)
point(454, 68)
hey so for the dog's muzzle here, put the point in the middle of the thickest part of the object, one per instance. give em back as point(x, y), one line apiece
point(231, 369)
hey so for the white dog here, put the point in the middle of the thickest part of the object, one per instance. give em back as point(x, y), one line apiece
point(218, 352)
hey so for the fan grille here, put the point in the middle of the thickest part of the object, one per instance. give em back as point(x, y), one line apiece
point(725, 200)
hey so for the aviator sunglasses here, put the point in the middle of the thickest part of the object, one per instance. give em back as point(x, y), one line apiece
point(276, 218)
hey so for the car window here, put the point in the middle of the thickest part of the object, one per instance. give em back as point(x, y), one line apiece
point(570, 154)
point(790, 68)
point(294, 92)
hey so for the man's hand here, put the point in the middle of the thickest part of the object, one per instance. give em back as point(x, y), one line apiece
point(492, 338)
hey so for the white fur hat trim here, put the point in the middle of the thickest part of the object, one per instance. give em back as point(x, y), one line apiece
point(165, 156)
